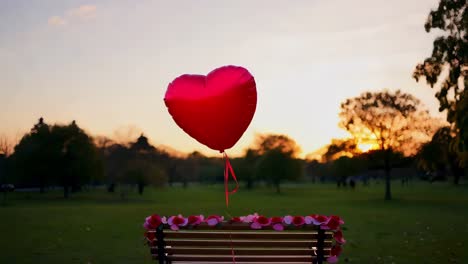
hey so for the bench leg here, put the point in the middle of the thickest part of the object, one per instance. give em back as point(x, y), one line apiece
point(320, 246)
point(161, 245)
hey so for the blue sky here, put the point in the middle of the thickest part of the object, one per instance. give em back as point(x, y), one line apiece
point(106, 64)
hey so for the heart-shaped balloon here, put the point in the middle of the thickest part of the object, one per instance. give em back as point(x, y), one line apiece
point(215, 109)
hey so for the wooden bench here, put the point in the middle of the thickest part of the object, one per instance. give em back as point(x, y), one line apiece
point(238, 243)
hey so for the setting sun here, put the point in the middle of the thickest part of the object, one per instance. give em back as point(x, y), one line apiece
point(365, 147)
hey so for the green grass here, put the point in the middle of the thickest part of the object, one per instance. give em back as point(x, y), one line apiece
point(423, 224)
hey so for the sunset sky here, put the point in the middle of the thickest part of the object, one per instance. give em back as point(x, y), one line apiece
point(107, 64)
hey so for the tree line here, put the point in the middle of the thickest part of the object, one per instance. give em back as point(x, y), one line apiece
point(399, 130)
point(66, 156)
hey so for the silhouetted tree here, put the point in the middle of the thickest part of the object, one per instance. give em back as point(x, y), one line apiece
point(315, 170)
point(438, 155)
point(31, 157)
point(58, 154)
point(393, 120)
point(249, 161)
point(340, 147)
point(144, 165)
point(278, 159)
point(6, 146)
point(6, 149)
point(450, 55)
point(74, 157)
point(3, 161)
point(116, 157)
point(245, 167)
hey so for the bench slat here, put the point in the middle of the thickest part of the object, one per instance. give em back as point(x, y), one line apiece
point(245, 235)
point(260, 258)
point(240, 243)
point(238, 226)
point(247, 262)
point(240, 251)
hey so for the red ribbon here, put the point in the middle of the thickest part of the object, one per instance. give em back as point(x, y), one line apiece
point(228, 169)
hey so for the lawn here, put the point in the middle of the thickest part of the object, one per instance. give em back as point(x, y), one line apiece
point(424, 223)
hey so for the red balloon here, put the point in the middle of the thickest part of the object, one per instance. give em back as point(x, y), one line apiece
point(215, 109)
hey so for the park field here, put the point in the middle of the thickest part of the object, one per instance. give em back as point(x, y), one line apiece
point(425, 223)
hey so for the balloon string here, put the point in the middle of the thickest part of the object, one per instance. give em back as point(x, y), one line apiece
point(228, 169)
point(232, 249)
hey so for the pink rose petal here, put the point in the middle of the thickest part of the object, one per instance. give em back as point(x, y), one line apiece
point(288, 219)
point(174, 227)
point(212, 221)
point(169, 221)
point(332, 259)
point(256, 225)
point(278, 227)
point(249, 218)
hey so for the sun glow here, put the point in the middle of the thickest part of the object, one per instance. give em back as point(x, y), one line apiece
point(365, 147)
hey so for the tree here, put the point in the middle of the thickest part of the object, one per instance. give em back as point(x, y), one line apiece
point(31, 157)
point(57, 154)
point(144, 166)
point(339, 148)
point(249, 160)
point(437, 155)
point(448, 65)
point(278, 161)
point(115, 159)
point(6, 146)
point(394, 121)
point(74, 157)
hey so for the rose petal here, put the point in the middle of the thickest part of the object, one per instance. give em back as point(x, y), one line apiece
point(298, 220)
point(308, 220)
point(150, 236)
point(338, 235)
point(332, 259)
point(278, 227)
point(255, 225)
point(174, 227)
point(236, 220)
point(276, 220)
point(288, 219)
point(169, 221)
point(319, 219)
point(249, 218)
point(262, 220)
point(212, 221)
point(185, 222)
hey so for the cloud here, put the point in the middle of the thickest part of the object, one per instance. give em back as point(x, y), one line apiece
point(56, 21)
point(81, 13)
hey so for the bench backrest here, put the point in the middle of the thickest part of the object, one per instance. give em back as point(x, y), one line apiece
point(237, 242)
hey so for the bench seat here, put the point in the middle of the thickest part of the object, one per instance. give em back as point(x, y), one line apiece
point(237, 243)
